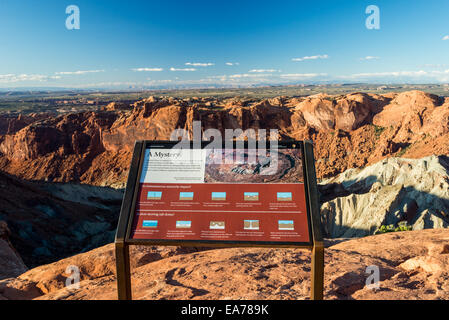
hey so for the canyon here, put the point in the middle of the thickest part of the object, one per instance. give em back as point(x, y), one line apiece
point(348, 131)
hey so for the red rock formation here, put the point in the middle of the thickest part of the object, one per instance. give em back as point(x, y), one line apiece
point(59, 148)
point(11, 124)
point(352, 130)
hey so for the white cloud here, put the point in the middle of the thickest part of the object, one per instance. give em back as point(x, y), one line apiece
point(78, 72)
point(257, 78)
point(105, 84)
point(370, 58)
point(182, 69)
point(389, 74)
point(440, 72)
point(232, 63)
point(243, 78)
point(430, 65)
point(324, 56)
point(303, 75)
point(199, 64)
point(147, 69)
point(246, 75)
point(446, 37)
point(12, 78)
point(435, 75)
point(161, 81)
point(264, 70)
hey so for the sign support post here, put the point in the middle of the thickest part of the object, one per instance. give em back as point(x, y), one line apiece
point(317, 278)
point(123, 239)
point(123, 271)
point(123, 267)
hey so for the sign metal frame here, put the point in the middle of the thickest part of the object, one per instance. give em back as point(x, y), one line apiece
point(123, 240)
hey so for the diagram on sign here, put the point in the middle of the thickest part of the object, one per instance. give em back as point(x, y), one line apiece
point(284, 196)
point(154, 195)
point(219, 196)
point(217, 225)
point(186, 196)
point(251, 196)
point(183, 224)
point(286, 225)
point(149, 224)
point(251, 225)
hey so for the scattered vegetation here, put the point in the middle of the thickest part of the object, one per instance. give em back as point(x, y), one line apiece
point(401, 226)
point(378, 131)
point(403, 151)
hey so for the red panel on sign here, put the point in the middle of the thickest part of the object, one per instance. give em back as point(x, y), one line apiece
point(273, 211)
point(233, 212)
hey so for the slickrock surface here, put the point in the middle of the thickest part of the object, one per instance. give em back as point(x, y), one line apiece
point(412, 264)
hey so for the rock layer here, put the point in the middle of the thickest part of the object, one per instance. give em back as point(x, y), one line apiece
point(358, 201)
point(349, 131)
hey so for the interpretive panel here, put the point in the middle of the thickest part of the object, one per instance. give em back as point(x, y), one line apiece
point(238, 195)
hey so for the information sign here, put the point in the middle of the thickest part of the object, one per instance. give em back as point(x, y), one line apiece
point(193, 194)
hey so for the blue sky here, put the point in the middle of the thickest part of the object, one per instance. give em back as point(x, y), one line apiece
point(226, 43)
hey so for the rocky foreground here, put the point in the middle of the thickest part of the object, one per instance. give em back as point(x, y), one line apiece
point(412, 264)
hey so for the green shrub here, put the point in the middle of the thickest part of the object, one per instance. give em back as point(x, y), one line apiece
point(403, 151)
point(378, 131)
point(401, 226)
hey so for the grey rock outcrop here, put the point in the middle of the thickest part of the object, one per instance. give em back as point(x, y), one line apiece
point(358, 201)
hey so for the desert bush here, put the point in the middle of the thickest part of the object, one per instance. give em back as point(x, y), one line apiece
point(401, 226)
